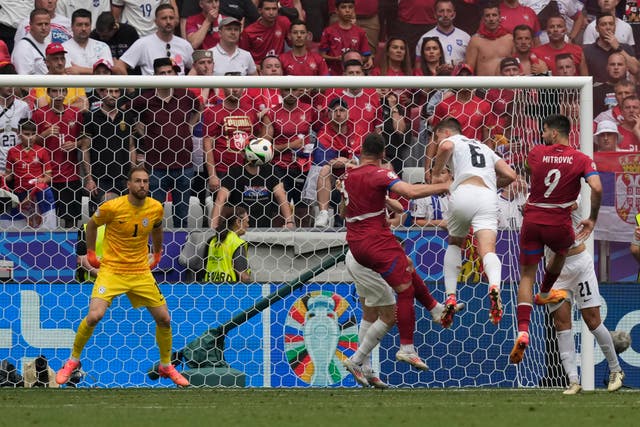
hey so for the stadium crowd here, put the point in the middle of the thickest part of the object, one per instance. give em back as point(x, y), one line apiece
point(192, 140)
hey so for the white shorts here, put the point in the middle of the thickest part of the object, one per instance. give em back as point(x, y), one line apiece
point(369, 284)
point(472, 206)
point(578, 277)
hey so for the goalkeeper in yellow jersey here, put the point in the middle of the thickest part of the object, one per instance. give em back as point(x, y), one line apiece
point(125, 268)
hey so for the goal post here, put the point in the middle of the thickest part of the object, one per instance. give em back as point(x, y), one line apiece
point(282, 262)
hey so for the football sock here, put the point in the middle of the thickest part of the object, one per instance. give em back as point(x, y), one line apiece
point(523, 313)
point(82, 336)
point(163, 338)
point(406, 315)
point(604, 340)
point(567, 350)
point(362, 333)
point(376, 332)
point(548, 281)
point(492, 268)
point(452, 266)
point(421, 291)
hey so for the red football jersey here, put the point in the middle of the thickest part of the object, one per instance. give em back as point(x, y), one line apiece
point(336, 40)
point(365, 190)
point(262, 41)
point(310, 64)
point(27, 165)
point(287, 126)
point(556, 172)
point(212, 38)
point(548, 55)
point(473, 115)
point(231, 132)
point(64, 163)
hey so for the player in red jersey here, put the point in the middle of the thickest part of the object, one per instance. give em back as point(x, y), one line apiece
point(556, 171)
point(299, 61)
point(374, 246)
point(267, 35)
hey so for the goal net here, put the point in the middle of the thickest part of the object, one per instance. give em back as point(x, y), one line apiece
point(297, 317)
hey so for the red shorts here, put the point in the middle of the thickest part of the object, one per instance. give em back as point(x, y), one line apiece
point(384, 256)
point(534, 237)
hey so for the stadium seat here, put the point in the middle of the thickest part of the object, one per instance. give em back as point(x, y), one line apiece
point(167, 220)
point(413, 175)
point(196, 213)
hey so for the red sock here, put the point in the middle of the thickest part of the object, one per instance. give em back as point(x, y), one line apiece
point(406, 315)
point(524, 316)
point(548, 280)
point(422, 293)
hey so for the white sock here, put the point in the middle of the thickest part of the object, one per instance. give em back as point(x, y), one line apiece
point(377, 330)
point(604, 340)
point(492, 268)
point(407, 348)
point(362, 332)
point(452, 266)
point(567, 350)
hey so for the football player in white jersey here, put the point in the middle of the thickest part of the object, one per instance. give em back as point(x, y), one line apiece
point(477, 173)
point(12, 110)
point(578, 278)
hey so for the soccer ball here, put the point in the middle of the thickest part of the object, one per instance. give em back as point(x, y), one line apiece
point(621, 340)
point(259, 151)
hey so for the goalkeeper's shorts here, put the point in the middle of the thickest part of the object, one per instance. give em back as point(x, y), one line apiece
point(141, 288)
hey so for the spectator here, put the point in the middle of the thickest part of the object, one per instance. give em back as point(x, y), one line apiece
point(94, 97)
point(606, 136)
point(453, 39)
point(83, 52)
point(11, 13)
point(203, 66)
point(202, 29)
point(293, 124)
point(138, 14)
point(530, 64)
point(162, 43)
point(227, 56)
point(230, 125)
point(396, 60)
point(316, 16)
point(266, 36)
point(28, 56)
point(413, 19)
point(344, 35)
point(569, 10)
point(622, 89)
point(29, 168)
point(557, 31)
point(60, 126)
point(394, 128)
point(263, 201)
point(365, 113)
point(431, 62)
point(119, 37)
point(265, 98)
point(430, 211)
point(604, 92)
point(623, 31)
point(511, 204)
point(329, 158)
point(165, 119)
point(490, 44)
point(597, 53)
point(60, 24)
point(300, 61)
point(366, 17)
point(108, 140)
point(12, 111)
point(95, 7)
point(55, 60)
point(227, 255)
point(512, 14)
point(630, 127)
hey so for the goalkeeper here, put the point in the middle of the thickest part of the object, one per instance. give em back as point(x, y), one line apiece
point(125, 268)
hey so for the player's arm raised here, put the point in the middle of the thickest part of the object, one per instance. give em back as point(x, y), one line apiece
point(596, 197)
point(505, 174)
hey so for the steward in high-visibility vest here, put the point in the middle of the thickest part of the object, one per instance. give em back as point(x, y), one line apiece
point(227, 261)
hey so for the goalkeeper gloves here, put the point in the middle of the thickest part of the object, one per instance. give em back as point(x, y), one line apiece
point(93, 259)
point(153, 262)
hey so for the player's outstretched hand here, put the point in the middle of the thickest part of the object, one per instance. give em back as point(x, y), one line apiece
point(93, 259)
point(154, 259)
point(586, 227)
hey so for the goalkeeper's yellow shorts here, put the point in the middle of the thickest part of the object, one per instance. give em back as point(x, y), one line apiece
point(141, 288)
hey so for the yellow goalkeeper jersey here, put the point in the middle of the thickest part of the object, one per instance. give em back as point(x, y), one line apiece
point(126, 239)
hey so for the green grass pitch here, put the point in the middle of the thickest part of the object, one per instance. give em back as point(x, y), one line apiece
point(316, 407)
